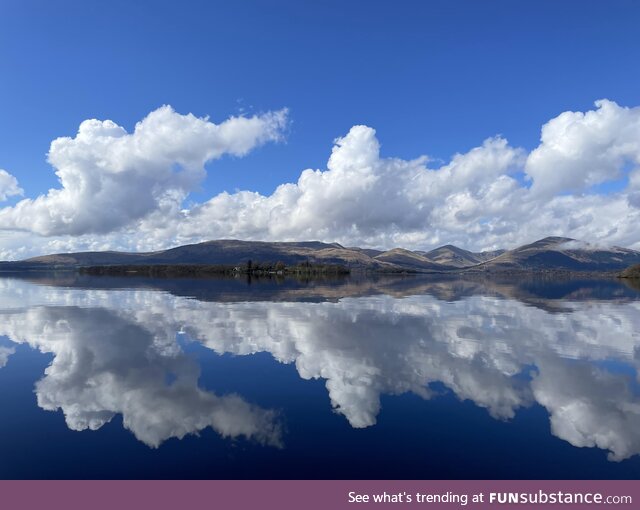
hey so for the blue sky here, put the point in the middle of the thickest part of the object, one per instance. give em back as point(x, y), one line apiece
point(432, 78)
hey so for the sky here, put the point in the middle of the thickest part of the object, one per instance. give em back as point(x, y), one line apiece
point(145, 125)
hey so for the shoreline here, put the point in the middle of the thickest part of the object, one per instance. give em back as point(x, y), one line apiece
point(210, 270)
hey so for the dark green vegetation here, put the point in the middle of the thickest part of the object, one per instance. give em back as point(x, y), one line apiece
point(200, 270)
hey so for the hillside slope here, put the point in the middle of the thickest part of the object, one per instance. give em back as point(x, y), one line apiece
point(453, 256)
point(561, 253)
point(410, 260)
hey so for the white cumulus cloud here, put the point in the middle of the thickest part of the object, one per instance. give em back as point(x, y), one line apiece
point(579, 150)
point(116, 185)
point(481, 199)
point(8, 185)
point(109, 178)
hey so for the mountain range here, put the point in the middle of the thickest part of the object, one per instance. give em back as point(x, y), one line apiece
point(550, 253)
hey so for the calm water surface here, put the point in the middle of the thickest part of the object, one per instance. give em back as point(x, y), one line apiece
point(357, 378)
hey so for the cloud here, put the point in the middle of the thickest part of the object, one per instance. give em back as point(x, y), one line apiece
point(8, 185)
point(579, 150)
point(363, 198)
point(479, 200)
point(634, 189)
point(491, 196)
point(110, 178)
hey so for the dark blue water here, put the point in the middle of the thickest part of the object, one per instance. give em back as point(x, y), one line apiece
point(403, 378)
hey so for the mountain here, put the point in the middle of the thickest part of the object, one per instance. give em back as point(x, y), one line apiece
point(550, 253)
point(226, 252)
point(561, 253)
point(210, 252)
point(453, 256)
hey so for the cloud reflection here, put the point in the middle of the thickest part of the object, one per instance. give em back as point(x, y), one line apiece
point(5, 352)
point(105, 364)
point(114, 349)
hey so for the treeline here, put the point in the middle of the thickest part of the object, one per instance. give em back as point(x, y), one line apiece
point(306, 267)
point(194, 270)
point(157, 270)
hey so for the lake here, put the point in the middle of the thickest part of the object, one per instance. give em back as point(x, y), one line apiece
point(409, 377)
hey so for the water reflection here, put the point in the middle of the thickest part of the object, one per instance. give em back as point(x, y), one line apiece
point(501, 345)
point(5, 352)
point(104, 364)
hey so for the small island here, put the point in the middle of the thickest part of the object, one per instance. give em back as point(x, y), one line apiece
point(250, 268)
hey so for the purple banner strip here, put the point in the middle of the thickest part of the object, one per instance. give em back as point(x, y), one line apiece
point(318, 495)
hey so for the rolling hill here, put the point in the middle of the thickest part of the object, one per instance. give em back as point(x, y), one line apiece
point(410, 260)
point(450, 255)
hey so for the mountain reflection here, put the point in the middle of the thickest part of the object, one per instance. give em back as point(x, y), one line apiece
point(115, 351)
